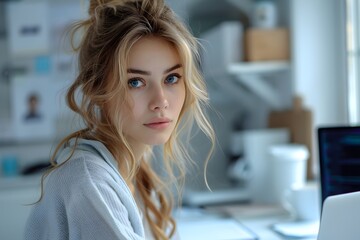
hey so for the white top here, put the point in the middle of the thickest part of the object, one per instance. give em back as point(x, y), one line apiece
point(86, 198)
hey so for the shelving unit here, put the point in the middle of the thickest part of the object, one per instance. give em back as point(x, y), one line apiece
point(258, 67)
point(251, 75)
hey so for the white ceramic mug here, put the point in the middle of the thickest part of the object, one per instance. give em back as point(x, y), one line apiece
point(303, 202)
point(288, 168)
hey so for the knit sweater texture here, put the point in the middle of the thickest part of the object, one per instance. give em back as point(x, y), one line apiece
point(86, 198)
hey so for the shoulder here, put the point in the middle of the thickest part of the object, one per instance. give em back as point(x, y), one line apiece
point(87, 183)
point(91, 198)
point(84, 169)
point(88, 172)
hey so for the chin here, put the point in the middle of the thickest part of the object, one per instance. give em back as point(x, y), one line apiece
point(158, 141)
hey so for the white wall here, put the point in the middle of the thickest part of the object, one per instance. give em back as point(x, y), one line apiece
point(319, 61)
point(318, 56)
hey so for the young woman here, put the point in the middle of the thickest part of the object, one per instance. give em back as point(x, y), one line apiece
point(138, 86)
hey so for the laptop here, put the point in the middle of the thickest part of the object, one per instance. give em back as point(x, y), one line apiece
point(340, 217)
point(339, 160)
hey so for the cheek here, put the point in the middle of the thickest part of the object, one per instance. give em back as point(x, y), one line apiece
point(179, 99)
point(119, 111)
point(136, 107)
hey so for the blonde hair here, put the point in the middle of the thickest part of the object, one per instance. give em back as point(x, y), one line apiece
point(112, 28)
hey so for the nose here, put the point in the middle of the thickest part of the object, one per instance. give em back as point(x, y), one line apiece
point(158, 100)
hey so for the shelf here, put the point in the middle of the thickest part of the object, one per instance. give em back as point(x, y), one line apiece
point(251, 74)
point(63, 126)
point(20, 182)
point(258, 67)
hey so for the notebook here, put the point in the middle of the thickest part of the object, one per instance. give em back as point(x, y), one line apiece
point(340, 217)
point(215, 229)
point(339, 160)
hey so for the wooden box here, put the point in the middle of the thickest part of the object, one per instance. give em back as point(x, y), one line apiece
point(299, 121)
point(266, 44)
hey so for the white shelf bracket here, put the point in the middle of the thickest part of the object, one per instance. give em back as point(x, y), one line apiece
point(260, 87)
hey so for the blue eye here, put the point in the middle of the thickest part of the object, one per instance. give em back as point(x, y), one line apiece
point(172, 79)
point(135, 83)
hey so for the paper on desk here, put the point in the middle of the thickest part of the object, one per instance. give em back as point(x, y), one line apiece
point(297, 229)
point(214, 229)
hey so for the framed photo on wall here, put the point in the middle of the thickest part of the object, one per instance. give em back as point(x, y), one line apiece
point(28, 28)
point(32, 99)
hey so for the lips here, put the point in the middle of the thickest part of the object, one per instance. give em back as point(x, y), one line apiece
point(158, 123)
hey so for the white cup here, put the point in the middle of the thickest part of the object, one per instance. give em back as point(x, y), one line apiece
point(303, 202)
point(288, 168)
point(256, 162)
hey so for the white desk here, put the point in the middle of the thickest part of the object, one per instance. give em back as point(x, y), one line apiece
point(257, 218)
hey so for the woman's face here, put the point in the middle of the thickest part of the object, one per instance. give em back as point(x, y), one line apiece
point(156, 89)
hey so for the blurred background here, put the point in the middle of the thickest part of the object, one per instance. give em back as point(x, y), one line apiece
point(275, 69)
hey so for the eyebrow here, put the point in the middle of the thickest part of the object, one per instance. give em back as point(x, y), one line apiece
point(142, 72)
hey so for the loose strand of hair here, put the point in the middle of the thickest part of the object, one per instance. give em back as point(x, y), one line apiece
point(146, 182)
point(54, 164)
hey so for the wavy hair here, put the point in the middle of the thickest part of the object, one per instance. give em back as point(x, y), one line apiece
point(108, 35)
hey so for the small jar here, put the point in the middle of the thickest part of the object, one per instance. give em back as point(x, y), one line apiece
point(265, 15)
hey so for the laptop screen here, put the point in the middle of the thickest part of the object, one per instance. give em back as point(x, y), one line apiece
point(339, 156)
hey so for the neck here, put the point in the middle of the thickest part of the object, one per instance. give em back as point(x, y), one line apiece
point(138, 150)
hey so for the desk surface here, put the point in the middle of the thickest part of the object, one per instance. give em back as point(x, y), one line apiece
point(257, 218)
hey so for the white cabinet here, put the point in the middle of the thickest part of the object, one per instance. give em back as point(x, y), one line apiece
point(223, 62)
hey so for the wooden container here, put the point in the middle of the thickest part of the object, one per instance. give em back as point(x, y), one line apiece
point(298, 121)
point(266, 44)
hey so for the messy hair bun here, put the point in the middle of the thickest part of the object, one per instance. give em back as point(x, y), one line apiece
point(95, 3)
point(153, 5)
